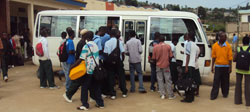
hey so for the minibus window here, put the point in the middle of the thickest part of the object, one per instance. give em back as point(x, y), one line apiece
point(92, 23)
point(58, 24)
point(173, 28)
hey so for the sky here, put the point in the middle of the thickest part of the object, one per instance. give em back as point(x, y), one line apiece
point(203, 3)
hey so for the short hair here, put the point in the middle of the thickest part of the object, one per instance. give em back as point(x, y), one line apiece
point(175, 40)
point(114, 32)
point(68, 29)
point(44, 32)
point(63, 35)
point(88, 35)
point(245, 41)
point(161, 38)
point(132, 33)
point(71, 33)
point(103, 29)
point(157, 35)
point(191, 36)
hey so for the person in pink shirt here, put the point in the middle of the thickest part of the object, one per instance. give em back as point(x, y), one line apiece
point(162, 54)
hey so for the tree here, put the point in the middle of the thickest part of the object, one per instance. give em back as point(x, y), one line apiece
point(131, 3)
point(202, 12)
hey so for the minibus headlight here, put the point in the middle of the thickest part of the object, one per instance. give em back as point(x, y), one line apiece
point(207, 63)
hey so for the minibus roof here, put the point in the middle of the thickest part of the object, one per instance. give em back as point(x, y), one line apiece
point(120, 13)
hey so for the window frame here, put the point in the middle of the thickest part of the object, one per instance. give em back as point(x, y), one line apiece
point(40, 16)
point(190, 18)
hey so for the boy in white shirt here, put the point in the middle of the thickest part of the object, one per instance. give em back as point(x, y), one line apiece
point(173, 65)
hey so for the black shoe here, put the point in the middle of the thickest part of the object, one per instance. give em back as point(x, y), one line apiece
point(185, 101)
point(212, 98)
point(96, 105)
point(132, 91)
point(144, 91)
point(225, 96)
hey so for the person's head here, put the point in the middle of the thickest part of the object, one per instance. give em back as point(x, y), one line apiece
point(161, 39)
point(5, 35)
point(234, 34)
point(245, 41)
point(115, 33)
point(63, 35)
point(88, 36)
point(82, 32)
point(71, 34)
point(157, 36)
point(132, 33)
point(44, 32)
point(186, 36)
point(222, 37)
point(68, 29)
point(191, 36)
point(175, 41)
point(102, 30)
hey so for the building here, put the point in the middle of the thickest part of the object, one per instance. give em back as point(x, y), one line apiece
point(17, 15)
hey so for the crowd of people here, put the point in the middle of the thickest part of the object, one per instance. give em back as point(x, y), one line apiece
point(14, 48)
point(101, 48)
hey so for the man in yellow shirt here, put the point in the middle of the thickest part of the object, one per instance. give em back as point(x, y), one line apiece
point(222, 58)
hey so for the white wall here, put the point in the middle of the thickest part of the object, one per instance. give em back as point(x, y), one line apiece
point(244, 18)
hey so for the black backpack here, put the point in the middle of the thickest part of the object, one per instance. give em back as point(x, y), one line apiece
point(243, 59)
point(63, 55)
point(187, 85)
point(114, 57)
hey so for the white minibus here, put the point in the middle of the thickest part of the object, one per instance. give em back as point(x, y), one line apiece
point(171, 24)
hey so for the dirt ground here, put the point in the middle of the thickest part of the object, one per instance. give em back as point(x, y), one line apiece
point(22, 94)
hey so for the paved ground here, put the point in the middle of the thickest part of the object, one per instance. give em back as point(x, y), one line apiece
point(22, 94)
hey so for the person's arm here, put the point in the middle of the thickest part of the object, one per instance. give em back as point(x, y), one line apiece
point(187, 62)
point(71, 48)
point(212, 68)
point(126, 49)
point(122, 50)
point(76, 63)
point(140, 47)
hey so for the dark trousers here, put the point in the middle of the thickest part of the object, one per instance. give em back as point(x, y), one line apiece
point(174, 72)
point(221, 78)
point(120, 72)
point(4, 66)
point(153, 76)
point(74, 86)
point(88, 83)
point(105, 82)
point(46, 73)
point(238, 89)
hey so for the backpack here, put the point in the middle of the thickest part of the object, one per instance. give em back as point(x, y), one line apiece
point(187, 85)
point(63, 55)
point(39, 49)
point(243, 59)
point(114, 57)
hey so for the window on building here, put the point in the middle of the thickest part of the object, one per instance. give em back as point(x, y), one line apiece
point(58, 24)
point(248, 18)
point(173, 28)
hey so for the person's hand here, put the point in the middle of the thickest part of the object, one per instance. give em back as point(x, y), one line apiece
point(212, 70)
point(186, 70)
point(182, 52)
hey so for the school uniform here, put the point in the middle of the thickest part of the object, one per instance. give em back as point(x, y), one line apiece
point(88, 81)
point(222, 54)
point(173, 65)
point(238, 87)
point(118, 70)
point(45, 68)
